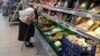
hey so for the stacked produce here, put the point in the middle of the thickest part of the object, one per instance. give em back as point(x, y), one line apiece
point(57, 15)
point(90, 26)
point(81, 21)
point(74, 4)
point(78, 41)
point(54, 33)
point(77, 4)
point(53, 3)
point(51, 30)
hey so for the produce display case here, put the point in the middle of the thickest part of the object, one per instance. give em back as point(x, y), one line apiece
point(51, 43)
point(66, 31)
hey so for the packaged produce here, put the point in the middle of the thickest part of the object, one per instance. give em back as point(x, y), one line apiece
point(44, 22)
point(82, 42)
point(49, 33)
point(78, 19)
point(56, 37)
point(56, 29)
point(86, 22)
point(90, 22)
point(73, 39)
point(78, 41)
point(59, 15)
point(94, 26)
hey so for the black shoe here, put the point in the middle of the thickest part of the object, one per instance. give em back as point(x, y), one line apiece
point(29, 44)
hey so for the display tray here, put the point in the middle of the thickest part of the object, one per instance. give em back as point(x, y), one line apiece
point(51, 43)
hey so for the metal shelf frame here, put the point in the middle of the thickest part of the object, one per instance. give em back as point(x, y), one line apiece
point(22, 3)
point(11, 21)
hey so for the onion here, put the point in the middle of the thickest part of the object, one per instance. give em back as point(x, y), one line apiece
point(57, 43)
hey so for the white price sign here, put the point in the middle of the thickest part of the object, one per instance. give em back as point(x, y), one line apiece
point(89, 15)
point(72, 12)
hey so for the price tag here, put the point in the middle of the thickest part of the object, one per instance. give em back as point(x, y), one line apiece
point(89, 48)
point(64, 23)
point(57, 20)
point(58, 9)
point(89, 15)
point(72, 12)
point(70, 27)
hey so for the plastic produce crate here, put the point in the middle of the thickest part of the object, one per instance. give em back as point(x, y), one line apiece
point(70, 49)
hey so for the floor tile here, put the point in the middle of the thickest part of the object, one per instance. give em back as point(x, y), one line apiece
point(15, 54)
point(15, 49)
point(5, 45)
point(4, 50)
point(5, 54)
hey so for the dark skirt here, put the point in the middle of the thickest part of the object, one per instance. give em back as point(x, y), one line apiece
point(23, 27)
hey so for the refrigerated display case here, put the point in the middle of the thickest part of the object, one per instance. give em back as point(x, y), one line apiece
point(71, 19)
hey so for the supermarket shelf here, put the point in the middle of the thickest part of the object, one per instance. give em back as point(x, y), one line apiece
point(72, 27)
point(71, 11)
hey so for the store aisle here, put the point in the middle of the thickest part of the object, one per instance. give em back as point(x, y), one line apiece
point(9, 45)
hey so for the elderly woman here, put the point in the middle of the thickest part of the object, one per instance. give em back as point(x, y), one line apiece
point(26, 28)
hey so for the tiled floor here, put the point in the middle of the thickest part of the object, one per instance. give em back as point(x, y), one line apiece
point(9, 44)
